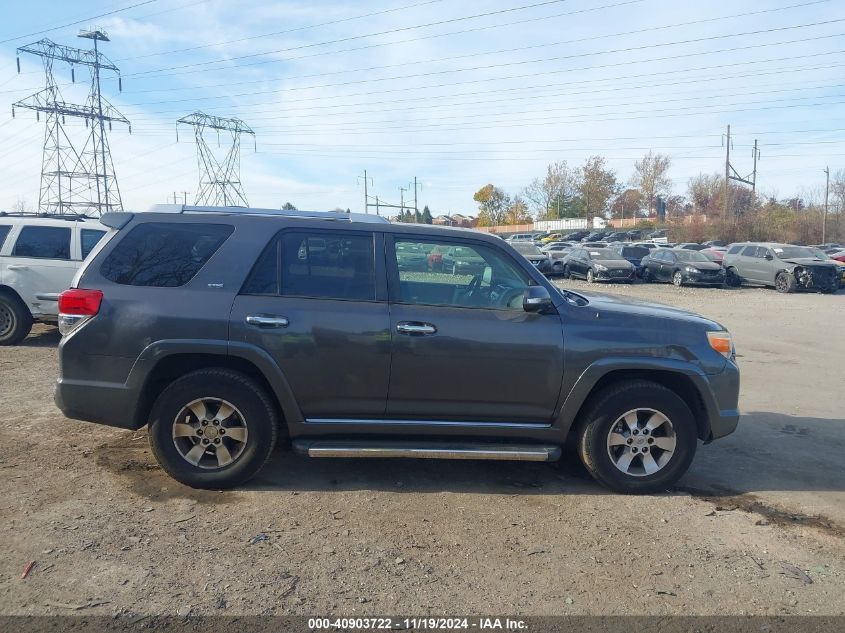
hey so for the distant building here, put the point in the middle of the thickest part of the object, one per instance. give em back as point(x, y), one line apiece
point(455, 219)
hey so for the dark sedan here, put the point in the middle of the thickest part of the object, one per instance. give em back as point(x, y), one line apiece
point(533, 254)
point(632, 254)
point(682, 267)
point(598, 264)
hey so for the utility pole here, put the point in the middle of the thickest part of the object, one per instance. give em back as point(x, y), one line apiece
point(727, 171)
point(754, 173)
point(184, 197)
point(366, 194)
point(826, 192)
point(402, 191)
point(416, 208)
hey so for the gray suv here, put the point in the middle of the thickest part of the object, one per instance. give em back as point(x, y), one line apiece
point(230, 331)
point(785, 267)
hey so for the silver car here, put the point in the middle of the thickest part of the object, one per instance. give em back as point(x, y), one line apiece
point(784, 267)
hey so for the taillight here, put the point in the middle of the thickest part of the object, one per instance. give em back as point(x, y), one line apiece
point(76, 306)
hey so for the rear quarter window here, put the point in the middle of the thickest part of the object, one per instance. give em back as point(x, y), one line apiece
point(163, 254)
point(4, 231)
point(733, 250)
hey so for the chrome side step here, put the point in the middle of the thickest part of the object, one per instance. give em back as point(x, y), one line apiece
point(428, 450)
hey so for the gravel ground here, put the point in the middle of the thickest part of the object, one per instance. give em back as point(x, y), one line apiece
point(756, 527)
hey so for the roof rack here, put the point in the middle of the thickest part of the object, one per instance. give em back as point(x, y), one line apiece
point(70, 217)
point(337, 216)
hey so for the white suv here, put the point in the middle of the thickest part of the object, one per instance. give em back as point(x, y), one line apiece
point(38, 258)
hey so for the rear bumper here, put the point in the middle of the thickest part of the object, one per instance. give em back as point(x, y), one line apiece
point(111, 404)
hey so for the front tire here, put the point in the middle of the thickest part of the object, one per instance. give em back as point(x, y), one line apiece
point(678, 278)
point(591, 276)
point(732, 279)
point(213, 428)
point(637, 437)
point(785, 283)
point(15, 320)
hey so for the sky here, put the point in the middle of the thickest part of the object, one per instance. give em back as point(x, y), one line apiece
point(456, 94)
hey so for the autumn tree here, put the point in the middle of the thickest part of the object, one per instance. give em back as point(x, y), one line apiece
point(706, 192)
point(651, 177)
point(550, 196)
point(493, 204)
point(627, 204)
point(597, 186)
point(517, 212)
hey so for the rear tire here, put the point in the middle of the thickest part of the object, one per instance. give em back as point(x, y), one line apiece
point(254, 419)
point(785, 283)
point(591, 276)
point(15, 320)
point(605, 422)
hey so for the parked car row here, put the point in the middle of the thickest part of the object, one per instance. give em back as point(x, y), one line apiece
point(784, 267)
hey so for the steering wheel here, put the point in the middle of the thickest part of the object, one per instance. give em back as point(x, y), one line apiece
point(512, 298)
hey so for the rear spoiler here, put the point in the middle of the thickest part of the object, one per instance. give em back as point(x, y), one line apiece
point(116, 220)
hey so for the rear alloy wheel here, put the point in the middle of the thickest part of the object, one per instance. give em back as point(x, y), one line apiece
point(213, 428)
point(15, 320)
point(567, 274)
point(785, 283)
point(591, 276)
point(637, 437)
point(678, 278)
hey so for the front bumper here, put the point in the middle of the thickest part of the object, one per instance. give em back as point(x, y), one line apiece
point(616, 275)
point(723, 412)
point(699, 279)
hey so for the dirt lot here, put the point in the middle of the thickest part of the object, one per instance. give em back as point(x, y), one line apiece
point(757, 525)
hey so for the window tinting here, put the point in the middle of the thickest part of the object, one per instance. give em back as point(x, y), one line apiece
point(465, 276)
point(734, 250)
point(264, 279)
point(4, 231)
point(163, 254)
point(749, 251)
point(90, 238)
point(50, 242)
point(328, 265)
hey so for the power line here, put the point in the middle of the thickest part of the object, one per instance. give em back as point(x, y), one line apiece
point(285, 32)
point(83, 21)
point(548, 59)
point(356, 37)
point(495, 52)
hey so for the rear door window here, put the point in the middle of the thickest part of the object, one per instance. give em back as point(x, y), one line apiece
point(749, 251)
point(163, 254)
point(317, 265)
point(734, 250)
point(43, 242)
point(90, 238)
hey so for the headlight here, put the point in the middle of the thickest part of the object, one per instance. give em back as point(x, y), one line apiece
point(722, 342)
point(601, 267)
point(691, 269)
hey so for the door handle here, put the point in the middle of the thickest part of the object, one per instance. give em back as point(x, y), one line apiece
point(17, 267)
point(415, 328)
point(267, 320)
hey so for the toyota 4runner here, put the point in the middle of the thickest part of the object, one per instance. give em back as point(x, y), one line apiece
point(228, 331)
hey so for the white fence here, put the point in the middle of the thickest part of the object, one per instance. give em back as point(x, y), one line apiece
point(564, 224)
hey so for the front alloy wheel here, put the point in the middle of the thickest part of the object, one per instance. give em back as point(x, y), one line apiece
point(591, 276)
point(641, 442)
point(678, 278)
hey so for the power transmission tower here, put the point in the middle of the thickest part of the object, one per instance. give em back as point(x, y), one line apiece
point(733, 174)
point(219, 182)
point(72, 180)
point(380, 204)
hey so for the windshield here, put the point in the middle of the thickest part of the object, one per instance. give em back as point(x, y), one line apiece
point(793, 252)
point(527, 248)
point(690, 256)
point(603, 253)
point(634, 251)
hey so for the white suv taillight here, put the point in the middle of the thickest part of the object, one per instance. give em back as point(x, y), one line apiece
point(76, 306)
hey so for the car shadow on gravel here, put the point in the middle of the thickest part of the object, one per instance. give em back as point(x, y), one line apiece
point(43, 336)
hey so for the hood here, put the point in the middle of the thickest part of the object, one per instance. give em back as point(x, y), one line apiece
point(809, 261)
point(614, 263)
point(635, 307)
point(703, 265)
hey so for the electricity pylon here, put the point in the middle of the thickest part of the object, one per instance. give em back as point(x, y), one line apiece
point(73, 180)
point(219, 182)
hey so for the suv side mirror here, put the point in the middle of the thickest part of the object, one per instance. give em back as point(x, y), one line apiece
point(769, 256)
point(536, 299)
